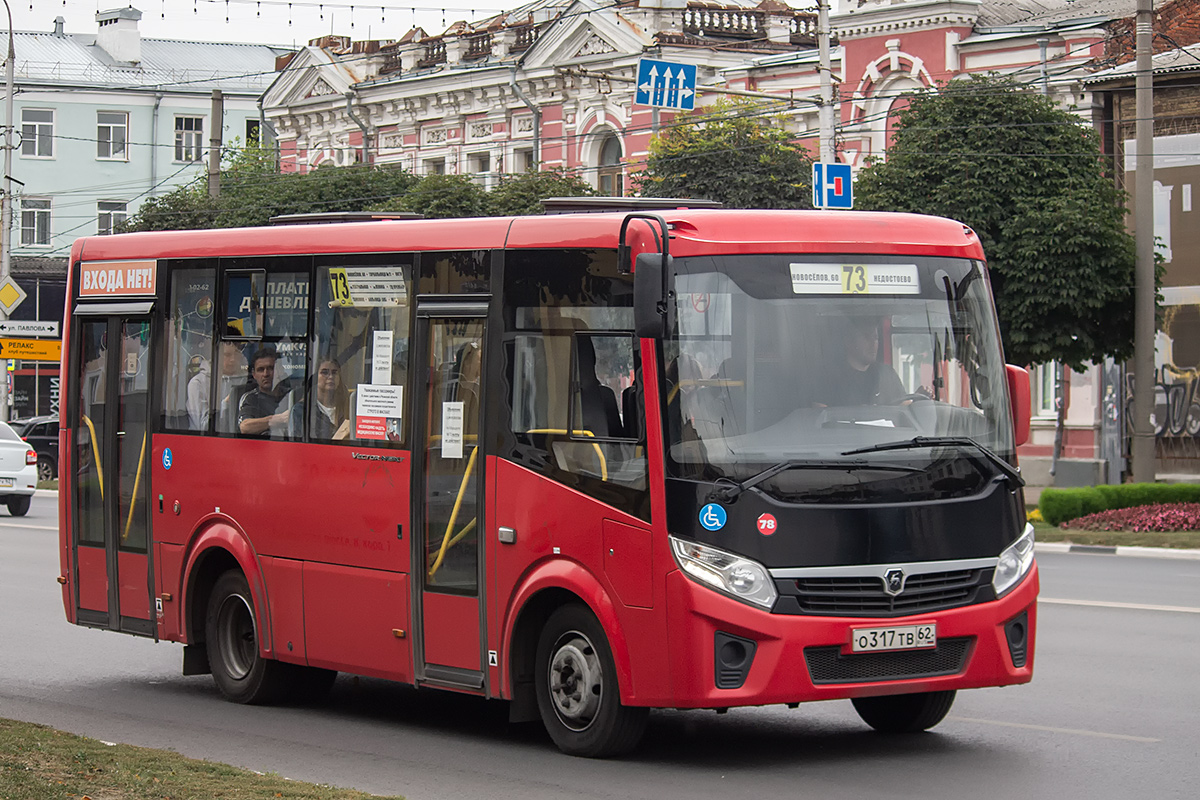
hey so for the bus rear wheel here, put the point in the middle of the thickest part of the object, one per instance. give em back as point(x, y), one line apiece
point(577, 693)
point(904, 713)
point(231, 634)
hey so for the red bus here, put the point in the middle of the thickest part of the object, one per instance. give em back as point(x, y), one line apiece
point(589, 463)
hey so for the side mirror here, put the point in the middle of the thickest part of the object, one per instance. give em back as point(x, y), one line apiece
point(649, 299)
point(1018, 399)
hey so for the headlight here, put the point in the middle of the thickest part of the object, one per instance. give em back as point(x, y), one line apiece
point(1014, 563)
point(733, 575)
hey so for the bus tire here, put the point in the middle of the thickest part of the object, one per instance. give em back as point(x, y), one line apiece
point(19, 506)
point(231, 635)
point(576, 686)
point(904, 713)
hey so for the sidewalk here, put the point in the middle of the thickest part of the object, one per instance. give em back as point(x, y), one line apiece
point(1134, 552)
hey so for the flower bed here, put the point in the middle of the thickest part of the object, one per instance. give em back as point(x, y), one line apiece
point(1157, 517)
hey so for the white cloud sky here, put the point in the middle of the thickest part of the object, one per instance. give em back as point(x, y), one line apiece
point(260, 21)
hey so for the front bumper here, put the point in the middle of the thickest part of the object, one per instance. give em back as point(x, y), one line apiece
point(803, 658)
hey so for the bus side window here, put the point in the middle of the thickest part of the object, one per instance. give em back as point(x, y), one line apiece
point(361, 334)
point(187, 385)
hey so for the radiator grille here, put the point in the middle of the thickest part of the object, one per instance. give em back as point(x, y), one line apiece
point(865, 596)
point(831, 665)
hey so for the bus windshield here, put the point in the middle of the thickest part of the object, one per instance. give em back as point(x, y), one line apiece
point(790, 363)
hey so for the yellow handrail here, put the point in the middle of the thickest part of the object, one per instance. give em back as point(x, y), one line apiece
point(95, 454)
point(595, 446)
point(136, 481)
point(462, 490)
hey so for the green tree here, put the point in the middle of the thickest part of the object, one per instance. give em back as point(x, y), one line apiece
point(730, 152)
point(440, 196)
point(1029, 178)
point(252, 192)
point(522, 194)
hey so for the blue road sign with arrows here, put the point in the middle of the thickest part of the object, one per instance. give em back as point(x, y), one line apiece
point(665, 84)
point(832, 186)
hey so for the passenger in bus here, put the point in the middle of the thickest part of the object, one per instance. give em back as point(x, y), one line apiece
point(258, 411)
point(232, 380)
point(859, 378)
point(331, 402)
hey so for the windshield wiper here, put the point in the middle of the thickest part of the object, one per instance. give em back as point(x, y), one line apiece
point(728, 493)
point(1011, 472)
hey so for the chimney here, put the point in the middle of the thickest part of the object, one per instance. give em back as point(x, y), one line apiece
point(119, 36)
point(59, 22)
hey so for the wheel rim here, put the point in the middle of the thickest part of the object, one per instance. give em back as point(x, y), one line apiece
point(45, 473)
point(576, 681)
point(237, 641)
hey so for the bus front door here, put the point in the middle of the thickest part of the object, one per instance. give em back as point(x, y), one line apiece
point(447, 483)
point(111, 469)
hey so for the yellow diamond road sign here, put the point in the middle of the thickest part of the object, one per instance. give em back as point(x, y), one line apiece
point(11, 294)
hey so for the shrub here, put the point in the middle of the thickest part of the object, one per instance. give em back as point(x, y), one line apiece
point(1060, 505)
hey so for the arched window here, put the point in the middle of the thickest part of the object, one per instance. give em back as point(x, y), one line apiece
point(611, 181)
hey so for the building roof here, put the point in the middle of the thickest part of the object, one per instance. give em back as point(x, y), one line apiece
point(1022, 13)
point(1183, 60)
point(77, 60)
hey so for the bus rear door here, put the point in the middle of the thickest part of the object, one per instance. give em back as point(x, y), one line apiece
point(111, 443)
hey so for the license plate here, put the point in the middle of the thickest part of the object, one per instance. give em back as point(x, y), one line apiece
point(899, 637)
point(8, 482)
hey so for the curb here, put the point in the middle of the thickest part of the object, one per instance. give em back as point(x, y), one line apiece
point(1130, 551)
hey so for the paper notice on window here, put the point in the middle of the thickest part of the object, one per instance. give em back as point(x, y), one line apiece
point(381, 358)
point(378, 411)
point(452, 430)
point(366, 287)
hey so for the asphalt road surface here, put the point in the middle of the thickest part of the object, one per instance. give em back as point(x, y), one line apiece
point(1113, 710)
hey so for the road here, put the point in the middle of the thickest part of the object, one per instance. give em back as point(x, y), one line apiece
point(1112, 711)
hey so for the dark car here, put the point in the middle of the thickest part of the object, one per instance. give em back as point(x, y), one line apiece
point(42, 433)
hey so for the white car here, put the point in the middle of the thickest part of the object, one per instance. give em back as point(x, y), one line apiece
point(18, 471)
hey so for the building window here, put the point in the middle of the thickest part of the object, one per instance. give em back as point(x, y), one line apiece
point(480, 167)
point(110, 214)
point(435, 166)
point(35, 221)
point(253, 131)
point(523, 160)
point(189, 133)
point(1045, 390)
point(112, 130)
point(611, 176)
point(37, 133)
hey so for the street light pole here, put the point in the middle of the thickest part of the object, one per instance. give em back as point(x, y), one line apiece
point(1144, 370)
point(6, 205)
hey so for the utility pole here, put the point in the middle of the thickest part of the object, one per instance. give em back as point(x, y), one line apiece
point(1143, 448)
point(826, 111)
point(6, 205)
point(216, 123)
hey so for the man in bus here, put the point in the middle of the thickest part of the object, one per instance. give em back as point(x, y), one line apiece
point(860, 378)
point(258, 412)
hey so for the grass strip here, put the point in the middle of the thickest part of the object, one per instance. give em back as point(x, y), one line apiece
point(1186, 540)
point(40, 763)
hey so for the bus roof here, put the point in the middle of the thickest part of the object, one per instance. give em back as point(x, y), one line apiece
point(694, 232)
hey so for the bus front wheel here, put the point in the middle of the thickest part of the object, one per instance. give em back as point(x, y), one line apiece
point(904, 713)
point(577, 693)
point(231, 634)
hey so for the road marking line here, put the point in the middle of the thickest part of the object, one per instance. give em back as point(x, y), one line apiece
point(1107, 604)
point(1050, 729)
point(31, 527)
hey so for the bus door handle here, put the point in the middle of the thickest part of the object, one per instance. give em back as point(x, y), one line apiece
point(507, 535)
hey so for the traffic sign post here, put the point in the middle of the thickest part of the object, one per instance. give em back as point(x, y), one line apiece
point(665, 84)
point(31, 349)
point(832, 186)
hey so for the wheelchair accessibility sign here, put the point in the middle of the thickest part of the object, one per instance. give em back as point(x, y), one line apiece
point(712, 517)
